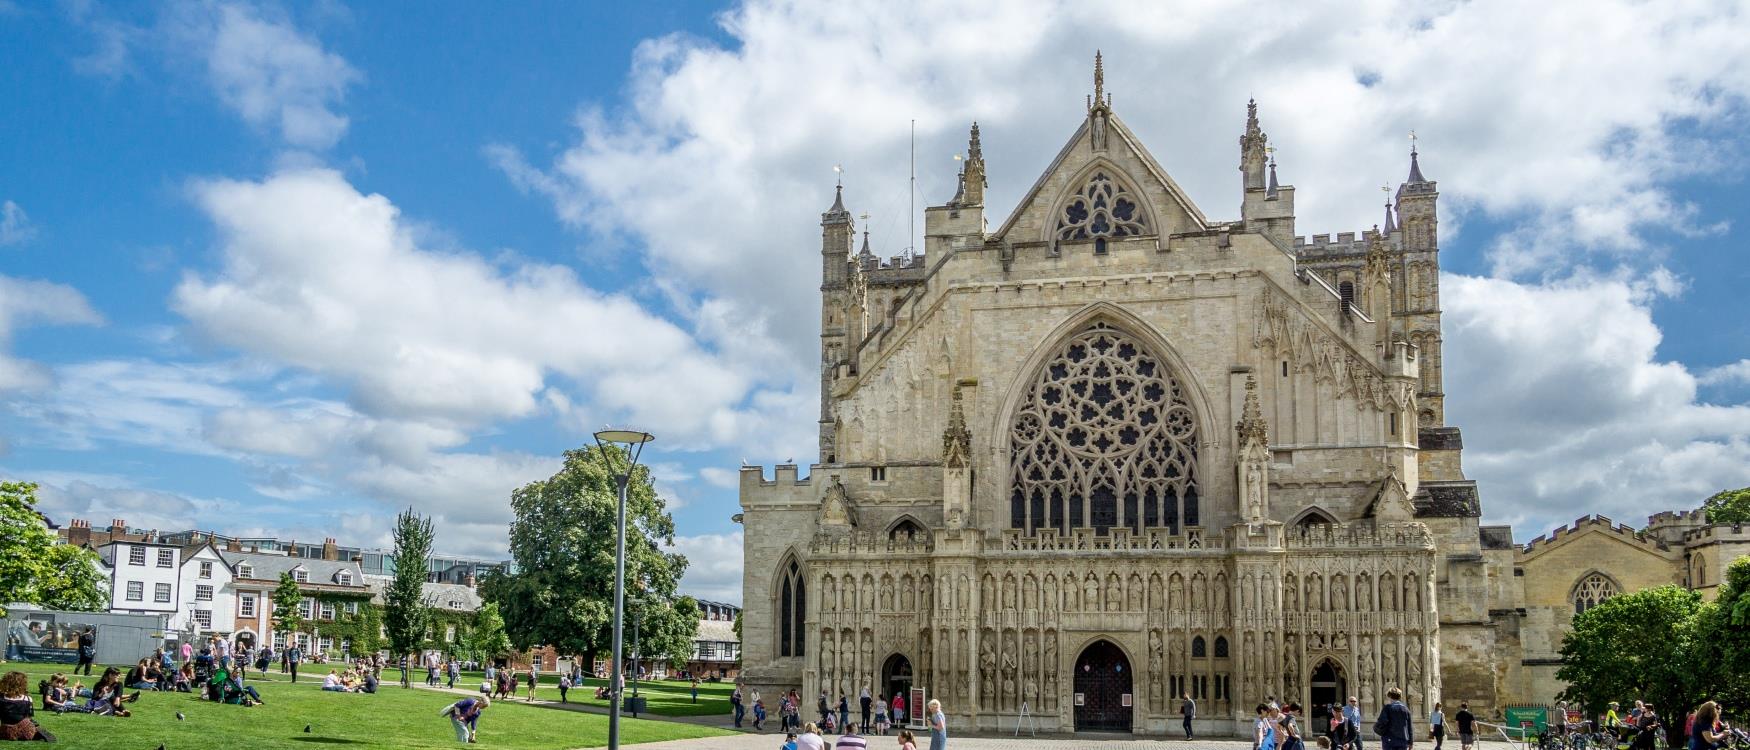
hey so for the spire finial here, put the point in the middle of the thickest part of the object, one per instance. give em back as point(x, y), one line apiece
point(1099, 77)
point(1271, 188)
point(865, 253)
point(1390, 224)
point(974, 150)
point(1415, 167)
point(1251, 426)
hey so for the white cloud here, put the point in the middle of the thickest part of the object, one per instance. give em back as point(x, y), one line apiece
point(255, 58)
point(713, 566)
point(716, 476)
point(15, 226)
point(274, 76)
point(25, 302)
point(1567, 409)
point(321, 277)
point(1736, 372)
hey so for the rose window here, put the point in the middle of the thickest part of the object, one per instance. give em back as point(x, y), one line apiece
point(1102, 208)
point(1104, 437)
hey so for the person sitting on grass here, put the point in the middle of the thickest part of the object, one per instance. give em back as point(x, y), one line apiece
point(155, 674)
point(230, 688)
point(464, 717)
point(370, 682)
point(106, 695)
point(137, 677)
point(58, 698)
point(332, 683)
point(184, 678)
point(16, 712)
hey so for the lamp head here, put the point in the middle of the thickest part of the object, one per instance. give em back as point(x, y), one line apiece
point(628, 437)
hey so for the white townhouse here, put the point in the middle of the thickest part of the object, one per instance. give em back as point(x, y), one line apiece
point(207, 598)
point(144, 577)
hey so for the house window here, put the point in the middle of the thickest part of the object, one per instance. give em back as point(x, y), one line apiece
point(352, 608)
point(246, 605)
point(246, 571)
point(301, 576)
point(279, 641)
point(305, 607)
point(136, 555)
point(327, 643)
point(204, 618)
point(792, 610)
point(203, 593)
point(537, 662)
point(161, 592)
point(343, 578)
point(206, 569)
point(166, 558)
point(328, 610)
point(136, 591)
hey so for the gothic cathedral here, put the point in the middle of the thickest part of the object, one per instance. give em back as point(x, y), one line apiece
point(1116, 451)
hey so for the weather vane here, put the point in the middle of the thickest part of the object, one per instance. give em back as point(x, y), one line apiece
point(839, 171)
point(1412, 141)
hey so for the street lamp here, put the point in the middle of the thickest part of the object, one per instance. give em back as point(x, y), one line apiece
point(634, 441)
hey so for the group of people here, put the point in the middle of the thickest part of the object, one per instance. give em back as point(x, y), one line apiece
point(1278, 725)
point(1703, 729)
point(502, 683)
point(877, 714)
point(811, 735)
point(362, 679)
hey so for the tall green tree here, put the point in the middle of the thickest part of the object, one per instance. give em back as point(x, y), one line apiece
point(405, 613)
point(1725, 639)
point(286, 617)
point(34, 568)
point(1728, 506)
point(562, 540)
point(1638, 645)
point(487, 640)
point(666, 633)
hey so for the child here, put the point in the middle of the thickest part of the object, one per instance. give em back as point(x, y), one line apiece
point(564, 685)
point(789, 741)
point(759, 714)
point(881, 715)
point(907, 741)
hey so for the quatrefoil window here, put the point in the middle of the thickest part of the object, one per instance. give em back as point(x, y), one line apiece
point(1103, 207)
point(1104, 437)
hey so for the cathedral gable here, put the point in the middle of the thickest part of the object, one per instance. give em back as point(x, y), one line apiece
point(1102, 162)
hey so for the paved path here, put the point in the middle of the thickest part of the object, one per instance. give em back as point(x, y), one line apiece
point(1042, 742)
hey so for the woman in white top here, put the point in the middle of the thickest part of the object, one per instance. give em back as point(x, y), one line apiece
point(1437, 721)
point(881, 714)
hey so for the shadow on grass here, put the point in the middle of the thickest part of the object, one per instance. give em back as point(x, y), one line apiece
point(326, 740)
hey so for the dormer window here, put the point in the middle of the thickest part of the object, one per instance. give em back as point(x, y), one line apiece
point(246, 571)
point(343, 578)
point(301, 576)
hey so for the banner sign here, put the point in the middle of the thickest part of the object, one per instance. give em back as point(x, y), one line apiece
point(43, 637)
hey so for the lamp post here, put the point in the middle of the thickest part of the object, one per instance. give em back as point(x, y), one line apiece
point(634, 441)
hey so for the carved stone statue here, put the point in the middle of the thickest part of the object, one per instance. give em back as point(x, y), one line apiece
point(887, 595)
point(1339, 595)
point(835, 508)
point(1114, 594)
point(987, 655)
point(1090, 593)
point(1340, 642)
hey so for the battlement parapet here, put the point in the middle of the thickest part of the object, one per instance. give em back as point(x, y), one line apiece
point(1719, 532)
point(1596, 523)
point(1682, 517)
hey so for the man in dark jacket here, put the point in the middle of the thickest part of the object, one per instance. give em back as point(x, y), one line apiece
point(87, 650)
point(1394, 726)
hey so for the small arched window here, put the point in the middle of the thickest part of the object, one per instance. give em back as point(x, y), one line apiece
point(1346, 290)
point(906, 531)
point(792, 610)
point(1593, 590)
point(1198, 648)
point(1221, 647)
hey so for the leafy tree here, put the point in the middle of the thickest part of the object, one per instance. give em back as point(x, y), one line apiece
point(1639, 645)
point(563, 543)
point(79, 586)
point(405, 612)
point(487, 640)
point(1724, 626)
point(286, 598)
point(666, 633)
point(34, 569)
point(1728, 506)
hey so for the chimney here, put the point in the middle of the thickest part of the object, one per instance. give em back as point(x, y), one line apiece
point(118, 526)
point(330, 551)
point(469, 579)
point(79, 532)
point(234, 546)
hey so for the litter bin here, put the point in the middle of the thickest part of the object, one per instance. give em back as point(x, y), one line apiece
point(634, 704)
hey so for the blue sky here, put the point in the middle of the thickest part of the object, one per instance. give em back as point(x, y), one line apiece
point(285, 268)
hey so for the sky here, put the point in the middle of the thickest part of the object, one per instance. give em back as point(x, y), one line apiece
point(285, 269)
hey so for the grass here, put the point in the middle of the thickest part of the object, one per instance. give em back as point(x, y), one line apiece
point(392, 718)
point(663, 697)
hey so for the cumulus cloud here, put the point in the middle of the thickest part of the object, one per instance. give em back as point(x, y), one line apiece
point(257, 61)
point(1567, 408)
point(713, 566)
point(15, 226)
point(1736, 372)
point(27, 302)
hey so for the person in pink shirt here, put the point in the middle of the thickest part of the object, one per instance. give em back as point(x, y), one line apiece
point(187, 651)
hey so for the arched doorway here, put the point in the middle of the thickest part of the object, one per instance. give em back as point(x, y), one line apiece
point(1328, 686)
point(1103, 699)
point(896, 677)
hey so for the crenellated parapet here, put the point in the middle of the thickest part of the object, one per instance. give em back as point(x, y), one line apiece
point(1593, 523)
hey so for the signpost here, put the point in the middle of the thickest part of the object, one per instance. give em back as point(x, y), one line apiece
point(920, 710)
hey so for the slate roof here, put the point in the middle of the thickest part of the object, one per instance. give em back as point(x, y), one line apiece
point(1496, 537)
point(453, 597)
point(722, 631)
point(266, 567)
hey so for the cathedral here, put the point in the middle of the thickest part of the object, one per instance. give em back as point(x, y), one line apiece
point(1115, 451)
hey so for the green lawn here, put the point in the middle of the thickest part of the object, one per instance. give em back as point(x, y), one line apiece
point(664, 697)
point(392, 718)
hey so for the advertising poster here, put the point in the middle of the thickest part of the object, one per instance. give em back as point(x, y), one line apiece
point(43, 637)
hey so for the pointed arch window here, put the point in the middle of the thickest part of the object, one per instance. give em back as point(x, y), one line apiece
point(906, 531)
point(792, 610)
point(1102, 208)
point(1104, 437)
point(1593, 590)
point(1220, 647)
point(1199, 648)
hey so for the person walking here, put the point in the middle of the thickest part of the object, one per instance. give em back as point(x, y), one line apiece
point(87, 650)
point(1187, 710)
point(294, 655)
point(881, 720)
point(1352, 718)
point(695, 690)
point(865, 701)
point(455, 671)
point(1467, 727)
point(1706, 731)
point(938, 726)
point(1395, 725)
point(825, 710)
point(844, 713)
point(534, 682)
point(1437, 726)
point(736, 705)
point(564, 685)
point(898, 706)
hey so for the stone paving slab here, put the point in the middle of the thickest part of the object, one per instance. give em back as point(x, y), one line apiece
point(769, 741)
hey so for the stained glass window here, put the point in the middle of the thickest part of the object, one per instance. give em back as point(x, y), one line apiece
point(1103, 207)
point(1592, 590)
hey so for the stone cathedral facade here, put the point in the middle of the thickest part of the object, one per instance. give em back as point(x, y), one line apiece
point(1115, 451)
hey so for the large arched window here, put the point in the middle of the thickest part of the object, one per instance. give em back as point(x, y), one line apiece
point(1103, 207)
point(792, 609)
point(1104, 437)
point(1592, 590)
